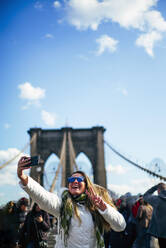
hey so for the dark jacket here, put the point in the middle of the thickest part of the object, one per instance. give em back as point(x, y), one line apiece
point(10, 223)
point(157, 226)
point(33, 230)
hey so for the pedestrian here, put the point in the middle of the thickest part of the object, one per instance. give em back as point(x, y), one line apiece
point(157, 225)
point(34, 233)
point(22, 209)
point(84, 209)
point(9, 226)
point(143, 218)
point(121, 239)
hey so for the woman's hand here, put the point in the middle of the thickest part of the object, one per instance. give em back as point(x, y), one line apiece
point(23, 165)
point(96, 199)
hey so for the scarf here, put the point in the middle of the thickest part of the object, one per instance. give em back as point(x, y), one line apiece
point(67, 211)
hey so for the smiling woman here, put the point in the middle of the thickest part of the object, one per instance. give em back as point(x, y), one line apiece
point(84, 210)
point(76, 184)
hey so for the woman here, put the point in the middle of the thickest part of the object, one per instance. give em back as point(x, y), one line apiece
point(84, 209)
point(35, 229)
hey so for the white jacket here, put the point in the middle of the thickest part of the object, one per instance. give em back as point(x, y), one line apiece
point(80, 235)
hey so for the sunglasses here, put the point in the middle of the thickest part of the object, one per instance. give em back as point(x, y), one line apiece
point(72, 179)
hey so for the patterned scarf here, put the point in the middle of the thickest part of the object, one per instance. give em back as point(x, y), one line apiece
point(67, 211)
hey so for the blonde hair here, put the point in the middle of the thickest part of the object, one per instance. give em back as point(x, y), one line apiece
point(99, 190)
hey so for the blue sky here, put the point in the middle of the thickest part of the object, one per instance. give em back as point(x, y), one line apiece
point(85, 63)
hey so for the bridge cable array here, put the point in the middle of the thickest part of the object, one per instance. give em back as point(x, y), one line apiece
point(24, 148)
point(72, 158)
point(72, 152)
point(135, 164)
point(62, 157)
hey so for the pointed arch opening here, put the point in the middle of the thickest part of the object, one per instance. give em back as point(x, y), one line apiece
point(50, 168)
point(85, 165)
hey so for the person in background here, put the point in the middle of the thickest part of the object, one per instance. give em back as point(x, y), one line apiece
point(143, 217)
point(34, 232)
point(22, 208)
point(121, 239)
point(157, 225)
point(85, 210)
point(136, 206)
point(8, 225)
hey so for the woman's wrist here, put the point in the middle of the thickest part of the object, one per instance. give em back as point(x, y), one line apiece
point(24, 180)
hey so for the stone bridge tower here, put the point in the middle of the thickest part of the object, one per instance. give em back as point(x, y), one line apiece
point(90, 141)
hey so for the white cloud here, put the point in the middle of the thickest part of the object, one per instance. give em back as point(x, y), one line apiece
point(123, 91)
point(84, 14)
point(6, 155)
point(91, 13)
point(118, 169)
point(137, 14)
point(48, 118)
point(8, 178)
point(148, 41)
point(8, 174)
point(49, 36)
point(134, 186)
point(7, 125)
point(56, 4)
point(2, 194)
point(38, 6)
point(144, 183)
point(155, 21)
point(119, 189)
point(106, 43)
point(30, 93)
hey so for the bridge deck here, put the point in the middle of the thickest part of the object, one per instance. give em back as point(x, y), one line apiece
point(51, 238)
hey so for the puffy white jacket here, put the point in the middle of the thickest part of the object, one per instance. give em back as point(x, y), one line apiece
point(80, 235)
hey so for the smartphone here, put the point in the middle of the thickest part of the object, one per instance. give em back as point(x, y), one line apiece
point(33, 162)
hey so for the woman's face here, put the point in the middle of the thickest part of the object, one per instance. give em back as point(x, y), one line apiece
point(77, 188)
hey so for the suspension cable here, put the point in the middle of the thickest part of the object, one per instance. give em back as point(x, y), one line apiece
point(72, 151)
point(17, 155)
point(62, 156)
point(135, 164)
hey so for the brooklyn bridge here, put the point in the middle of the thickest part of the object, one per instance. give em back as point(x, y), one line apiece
point(67, 143)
